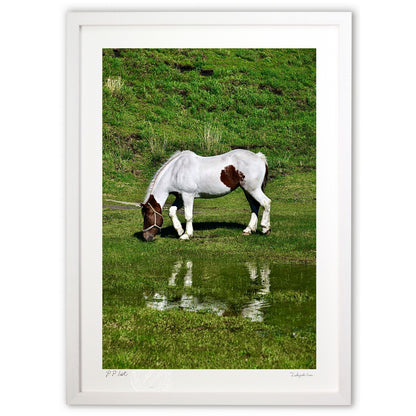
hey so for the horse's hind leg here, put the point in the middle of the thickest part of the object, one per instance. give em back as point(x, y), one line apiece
point(254, 205)
point(172, 214)
point(265, 202)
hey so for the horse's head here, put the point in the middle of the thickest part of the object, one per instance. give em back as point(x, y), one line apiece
point(152, 216)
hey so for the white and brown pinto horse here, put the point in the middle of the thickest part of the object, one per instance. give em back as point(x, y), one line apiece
point(188, 176)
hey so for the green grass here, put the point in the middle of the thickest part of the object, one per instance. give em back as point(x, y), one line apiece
point(156, 102)
point(218, 224)
point(147, 338)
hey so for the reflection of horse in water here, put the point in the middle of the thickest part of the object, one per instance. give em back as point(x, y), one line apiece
point(253, 310)
point(187, 302)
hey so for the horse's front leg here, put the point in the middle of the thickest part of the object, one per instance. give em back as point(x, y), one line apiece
point(172, 214)
point(188, 203)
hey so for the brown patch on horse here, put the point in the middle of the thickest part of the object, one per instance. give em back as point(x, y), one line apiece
point(231, 177)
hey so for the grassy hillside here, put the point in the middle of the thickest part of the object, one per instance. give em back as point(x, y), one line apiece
point(157, 101)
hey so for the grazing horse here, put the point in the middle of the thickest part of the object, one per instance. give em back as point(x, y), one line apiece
point(188, 176)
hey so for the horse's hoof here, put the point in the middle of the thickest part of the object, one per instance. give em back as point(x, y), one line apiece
point(247, 231)
point(184, 237)
point(267, 232)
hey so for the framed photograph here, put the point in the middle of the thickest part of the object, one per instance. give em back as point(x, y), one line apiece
point(208, 208)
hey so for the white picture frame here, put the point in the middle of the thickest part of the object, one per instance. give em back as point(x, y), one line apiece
point(87, 34)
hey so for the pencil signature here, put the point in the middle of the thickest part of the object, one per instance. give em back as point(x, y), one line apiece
point(300, 374)
point(116, 373)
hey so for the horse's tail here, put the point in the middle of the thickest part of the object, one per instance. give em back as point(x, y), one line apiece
point(266, 173)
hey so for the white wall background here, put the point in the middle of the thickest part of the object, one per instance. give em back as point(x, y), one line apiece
point(32, 99)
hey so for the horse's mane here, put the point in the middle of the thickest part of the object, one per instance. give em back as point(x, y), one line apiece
point(153, 181)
